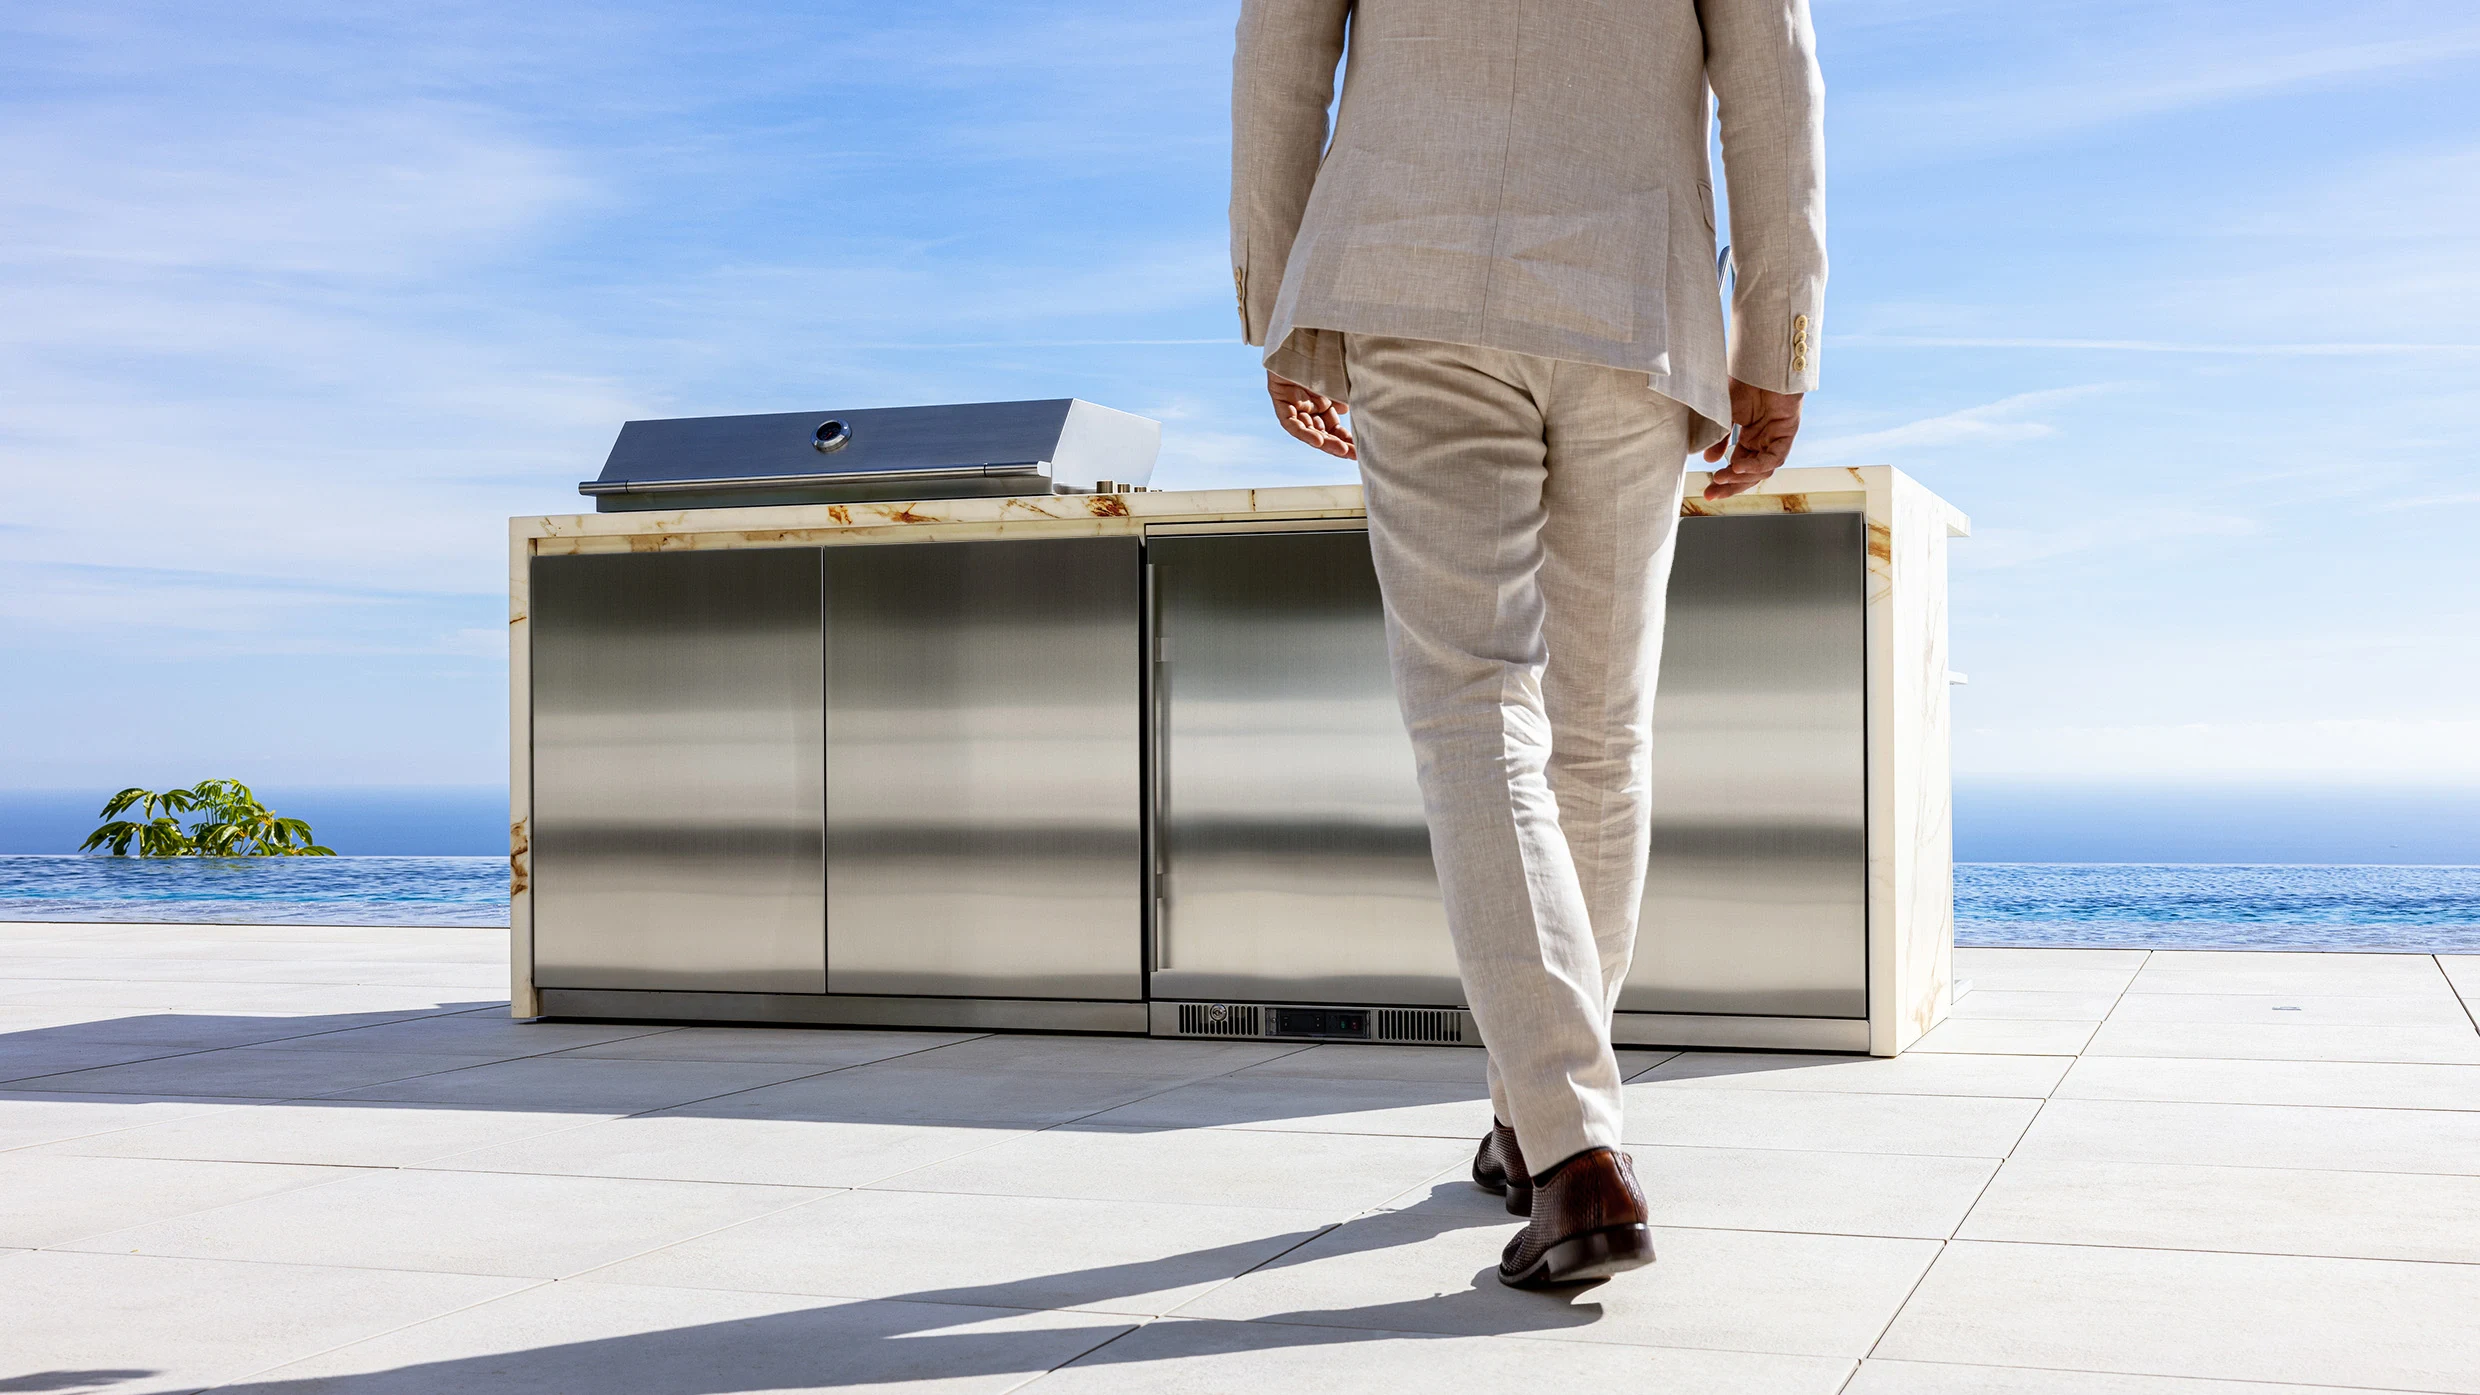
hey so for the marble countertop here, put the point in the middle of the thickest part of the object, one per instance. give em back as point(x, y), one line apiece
point(1836, 489)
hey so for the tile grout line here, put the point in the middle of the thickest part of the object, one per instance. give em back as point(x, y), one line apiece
point(2443, 1264)
point(1137, 1323)
point(2438, 961)
point(333, 1096)
point(1977, 1197)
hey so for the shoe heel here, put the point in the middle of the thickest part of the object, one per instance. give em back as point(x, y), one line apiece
point(1600, 1254)
point(1584, 1259)
point(1519, 1198)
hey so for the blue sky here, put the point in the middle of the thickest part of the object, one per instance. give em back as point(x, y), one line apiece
point(298, 303)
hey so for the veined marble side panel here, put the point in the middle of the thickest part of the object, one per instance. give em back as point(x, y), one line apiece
point(522, 1001)
point(1911, 821)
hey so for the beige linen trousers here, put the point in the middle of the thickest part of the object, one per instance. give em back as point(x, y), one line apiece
point(1504, 259)
point(1522, 515)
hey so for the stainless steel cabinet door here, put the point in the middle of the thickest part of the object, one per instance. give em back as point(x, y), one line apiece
point(984, 796)
point(1293, 859)
point(1757, 898)
point(677, 826)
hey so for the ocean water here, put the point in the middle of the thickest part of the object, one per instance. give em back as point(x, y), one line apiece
point(258, 890)
point(2136, 905)
point(2218, 906)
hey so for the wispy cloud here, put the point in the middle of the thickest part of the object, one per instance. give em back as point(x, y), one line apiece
point(1999, 548)
point(2059, 84)
point(2005, 421)
point(2426, 501)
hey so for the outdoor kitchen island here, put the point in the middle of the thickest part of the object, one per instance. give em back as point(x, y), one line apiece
point(1129, 761)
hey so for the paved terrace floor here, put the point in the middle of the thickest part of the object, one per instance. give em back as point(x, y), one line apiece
point(278, 1159)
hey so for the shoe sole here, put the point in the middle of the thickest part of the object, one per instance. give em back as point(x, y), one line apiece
point(1587, 1258)
point(1519, 1199)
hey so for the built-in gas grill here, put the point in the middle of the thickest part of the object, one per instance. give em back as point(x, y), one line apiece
point(1058, 446)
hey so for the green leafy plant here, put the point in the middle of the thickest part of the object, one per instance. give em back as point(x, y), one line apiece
point(231, 823)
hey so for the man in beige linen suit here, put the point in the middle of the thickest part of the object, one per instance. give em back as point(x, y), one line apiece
point(1505, 262)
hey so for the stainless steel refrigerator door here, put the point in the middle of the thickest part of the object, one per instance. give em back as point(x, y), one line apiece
point(678, 817)
point(984, 777)
point(1757, 897)
point(1292, 857)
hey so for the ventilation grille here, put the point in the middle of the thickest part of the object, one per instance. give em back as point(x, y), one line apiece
point(1219, 1020)
point(1420, 1025)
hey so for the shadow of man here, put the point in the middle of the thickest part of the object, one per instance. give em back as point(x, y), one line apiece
point(1017, 1327)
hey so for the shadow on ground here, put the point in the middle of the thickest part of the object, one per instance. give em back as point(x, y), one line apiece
point(944, 1333)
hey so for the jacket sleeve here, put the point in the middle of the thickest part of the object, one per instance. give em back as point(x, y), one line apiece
point(1282, 82)
point(1761, 60)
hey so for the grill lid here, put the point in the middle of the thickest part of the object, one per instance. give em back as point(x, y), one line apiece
point(1060, 445)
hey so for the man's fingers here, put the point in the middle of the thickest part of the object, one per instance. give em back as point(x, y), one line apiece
point(1309, 431)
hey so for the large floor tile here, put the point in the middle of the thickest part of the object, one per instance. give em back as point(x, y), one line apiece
point(1826, 1121)
point(1310, 1104)
point(2463, 971)
point(688, 1146)
point(1154, 1058)
point(2439, 1045)
point(1194, 1358)
point(2005, 1036)
point(140, 1325)
point(1432, 1268)
point(2256, 1135)
point(613, 1339)
point(2254, 1317)
point(1974, 960)
point(901, 1092)
point(38, 1117)
point(2092, 971)
point(826, 1048)
point(2034, 1005)
point(256, 1072)
point(1942, 1378)
point(456, 1222)
point(2363, 1084)
point(2265, 1210)
point(1826, 1193)
point(580, 1083)
point(187, 1031)
point(2027, 1077)
point(1331, 1174)
point(345, 1133)
point(52, 1198)
point(2260, 971)
point(2440, 1009)
point(985, 1251)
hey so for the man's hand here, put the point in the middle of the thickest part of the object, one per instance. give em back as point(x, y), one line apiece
point(1318, 421)
point(1767, 421)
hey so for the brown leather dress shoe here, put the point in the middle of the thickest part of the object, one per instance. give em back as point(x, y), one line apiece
point(1588, 1223)
point(1499, 1167)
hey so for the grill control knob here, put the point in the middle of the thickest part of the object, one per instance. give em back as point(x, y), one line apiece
point(832, 435)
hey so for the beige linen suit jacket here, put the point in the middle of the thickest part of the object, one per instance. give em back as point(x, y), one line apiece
point(1531, 175)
